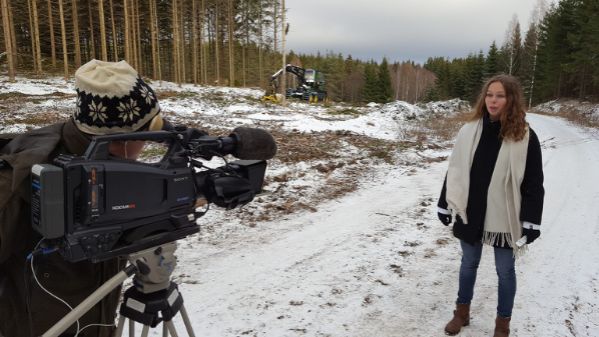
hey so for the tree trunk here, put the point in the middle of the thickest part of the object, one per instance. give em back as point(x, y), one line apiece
point(260, 42)
point(176, 59)
point(92, 42)
point(32, 38)
point(76, 33)
point(181, 31)
point(532, 80)
point(153, 37)
point(115, 50)
point(52, 40)
point(216, 46)
point(245, 45)
point(8, 40)
point(194, 40)
point(283, 77)
point(133, 35)
point(203, 52)
point(63, 33)
point(102, 30)
point(231, 25)
point(127, 31)
point(155, 23)
point(12, 35)
point(138, 62)
point(37, 36)
point(275, 26)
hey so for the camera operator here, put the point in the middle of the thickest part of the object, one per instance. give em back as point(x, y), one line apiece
point(111, 98)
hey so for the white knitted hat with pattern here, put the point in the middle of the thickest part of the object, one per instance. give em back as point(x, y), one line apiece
point(112, 98)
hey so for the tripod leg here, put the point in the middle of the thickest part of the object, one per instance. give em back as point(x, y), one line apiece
point(119, 328)
point(131, 328)
point(145, 331)
point(164, 330)
point(171, 328)
point(89, 302)
point(187, 322)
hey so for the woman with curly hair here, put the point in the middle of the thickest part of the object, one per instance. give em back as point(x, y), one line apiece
point(494, 189)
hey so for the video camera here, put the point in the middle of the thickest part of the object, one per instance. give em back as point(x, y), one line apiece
point(98, 206)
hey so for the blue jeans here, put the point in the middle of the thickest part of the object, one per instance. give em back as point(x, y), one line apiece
point(506, 272)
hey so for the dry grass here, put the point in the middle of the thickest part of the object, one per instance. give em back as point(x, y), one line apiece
point(580, 119)
point(573, 115)
point(578, 112)
point(35, 118)
point(443, 128)
point(164, 94)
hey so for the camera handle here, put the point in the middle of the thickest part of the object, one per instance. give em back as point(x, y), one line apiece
point(151, 294)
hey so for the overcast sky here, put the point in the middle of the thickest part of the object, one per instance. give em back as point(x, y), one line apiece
point(401, 29)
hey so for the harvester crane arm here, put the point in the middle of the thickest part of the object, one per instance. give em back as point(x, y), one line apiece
point(297, 71)
point(310, 85)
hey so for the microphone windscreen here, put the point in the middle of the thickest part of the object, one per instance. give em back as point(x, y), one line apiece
point(254, 144)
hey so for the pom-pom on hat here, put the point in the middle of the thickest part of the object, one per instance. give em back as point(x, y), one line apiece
point(112, 98)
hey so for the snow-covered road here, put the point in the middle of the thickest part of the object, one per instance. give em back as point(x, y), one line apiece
point(378, 263)
point(559, 280)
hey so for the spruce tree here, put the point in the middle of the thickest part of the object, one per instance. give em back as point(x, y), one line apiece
point(370, 83)
point(584, 59)
point(492, 61)
point(554, 51)
point(474, 73)
point(385, 91)
point(516, 52)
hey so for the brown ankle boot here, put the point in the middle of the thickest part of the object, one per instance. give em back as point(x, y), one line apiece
point(502, 326)
point(461, 317)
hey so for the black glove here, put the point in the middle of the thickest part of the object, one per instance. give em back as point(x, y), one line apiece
point(531, 234)
point(445, 218)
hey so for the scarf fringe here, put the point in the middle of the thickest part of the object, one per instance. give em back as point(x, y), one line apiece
point(501, 239)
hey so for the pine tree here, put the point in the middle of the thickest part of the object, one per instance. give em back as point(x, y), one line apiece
point(8, 39)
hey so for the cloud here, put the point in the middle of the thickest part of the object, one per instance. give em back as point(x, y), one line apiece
point(401, 29)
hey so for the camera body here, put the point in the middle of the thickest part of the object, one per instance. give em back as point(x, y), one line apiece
point(96, 206)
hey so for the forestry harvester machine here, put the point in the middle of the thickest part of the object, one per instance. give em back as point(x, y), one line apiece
point(310, 86)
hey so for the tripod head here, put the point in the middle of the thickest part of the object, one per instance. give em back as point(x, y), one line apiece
point(154, 267)
point(152, 299)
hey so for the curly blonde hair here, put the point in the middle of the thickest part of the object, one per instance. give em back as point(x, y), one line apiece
point(513, 120)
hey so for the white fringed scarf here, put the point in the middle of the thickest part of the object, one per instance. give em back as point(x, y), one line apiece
point(502, 219)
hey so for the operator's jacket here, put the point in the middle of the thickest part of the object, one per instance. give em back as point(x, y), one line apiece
point(72, 282)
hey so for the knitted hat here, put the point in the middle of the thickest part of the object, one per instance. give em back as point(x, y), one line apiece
point(112, 98)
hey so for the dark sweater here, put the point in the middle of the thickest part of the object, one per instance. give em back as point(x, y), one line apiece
point(481, 172)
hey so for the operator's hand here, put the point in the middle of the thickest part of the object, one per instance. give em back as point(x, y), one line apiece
point(444, 215)
point(531, 234)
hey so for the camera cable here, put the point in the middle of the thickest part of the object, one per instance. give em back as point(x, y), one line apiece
point(27, 299)
point(44, 251)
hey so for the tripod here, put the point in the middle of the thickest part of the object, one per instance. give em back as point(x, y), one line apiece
point(153, 298)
